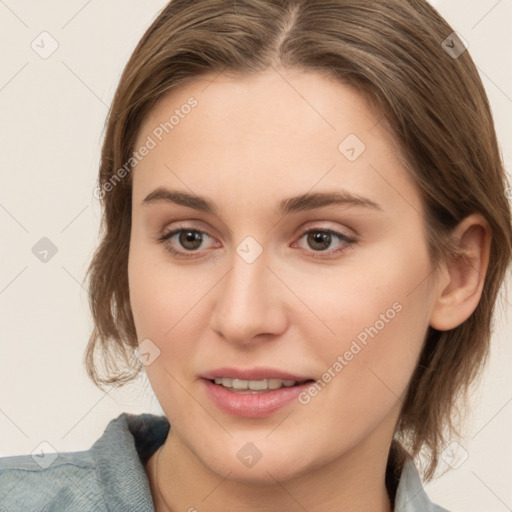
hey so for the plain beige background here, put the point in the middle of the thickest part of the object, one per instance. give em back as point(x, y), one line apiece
point(52, 112)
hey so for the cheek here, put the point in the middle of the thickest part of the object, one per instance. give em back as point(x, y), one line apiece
point(168, 309)
point(380, 301)
point(159, 305)
point(162, 299)
point(383, 327)
point(379, 318)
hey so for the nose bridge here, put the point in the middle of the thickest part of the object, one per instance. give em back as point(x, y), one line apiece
point(247, 303)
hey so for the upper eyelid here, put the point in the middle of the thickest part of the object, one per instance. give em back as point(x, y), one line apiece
point(302, 230)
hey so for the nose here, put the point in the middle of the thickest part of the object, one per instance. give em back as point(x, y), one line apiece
point(250, 303)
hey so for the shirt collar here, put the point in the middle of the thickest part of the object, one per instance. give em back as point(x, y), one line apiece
point(129, 441)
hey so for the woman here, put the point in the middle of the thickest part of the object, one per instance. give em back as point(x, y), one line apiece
point(305, 232)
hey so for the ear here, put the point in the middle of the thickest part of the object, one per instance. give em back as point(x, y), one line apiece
point(460, 291)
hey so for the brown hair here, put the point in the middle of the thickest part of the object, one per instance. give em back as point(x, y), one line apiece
point(392, 50)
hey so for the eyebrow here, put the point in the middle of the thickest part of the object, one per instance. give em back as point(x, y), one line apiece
point(304, 202)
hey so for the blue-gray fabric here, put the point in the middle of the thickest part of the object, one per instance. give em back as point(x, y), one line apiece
point(110, 476)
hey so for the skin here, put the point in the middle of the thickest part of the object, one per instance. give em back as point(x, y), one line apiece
point(249, 143)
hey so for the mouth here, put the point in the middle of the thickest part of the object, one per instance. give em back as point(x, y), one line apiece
point(253, 393)
point(244, 386)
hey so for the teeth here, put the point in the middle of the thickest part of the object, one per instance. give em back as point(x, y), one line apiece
point(274, 383)
point(240, 384)
point(255, 385)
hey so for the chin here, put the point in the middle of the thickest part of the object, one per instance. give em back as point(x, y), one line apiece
point(263, 474)
point(266, 467)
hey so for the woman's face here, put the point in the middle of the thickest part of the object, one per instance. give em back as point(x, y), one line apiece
point(304, 260)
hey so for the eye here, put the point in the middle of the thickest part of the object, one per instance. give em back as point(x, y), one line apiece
point(320, 239)
point(191, 240)
point(188, 238)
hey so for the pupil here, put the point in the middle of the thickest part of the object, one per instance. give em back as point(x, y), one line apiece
point(321, 238)
point(190, 236)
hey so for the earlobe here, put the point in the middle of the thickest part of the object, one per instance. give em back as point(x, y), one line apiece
point(457, 299)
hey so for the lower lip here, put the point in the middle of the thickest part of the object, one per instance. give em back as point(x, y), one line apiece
point(252, 405)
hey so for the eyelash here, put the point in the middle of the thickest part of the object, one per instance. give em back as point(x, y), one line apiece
point(316, 254)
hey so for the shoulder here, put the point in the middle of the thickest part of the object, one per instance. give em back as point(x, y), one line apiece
point(108, 476)
point(410, 494)
point(33, 482)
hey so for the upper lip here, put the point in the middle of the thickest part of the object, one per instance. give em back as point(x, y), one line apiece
point(252, 374)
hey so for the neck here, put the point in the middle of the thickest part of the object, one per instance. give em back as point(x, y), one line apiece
point(355, 481)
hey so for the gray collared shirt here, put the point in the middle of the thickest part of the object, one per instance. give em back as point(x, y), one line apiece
point(110, 476)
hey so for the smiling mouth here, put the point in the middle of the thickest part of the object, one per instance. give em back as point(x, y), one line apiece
point(255, 386)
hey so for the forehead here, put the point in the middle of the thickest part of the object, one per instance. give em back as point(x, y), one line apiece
point(246, 100)
point(268, 130)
